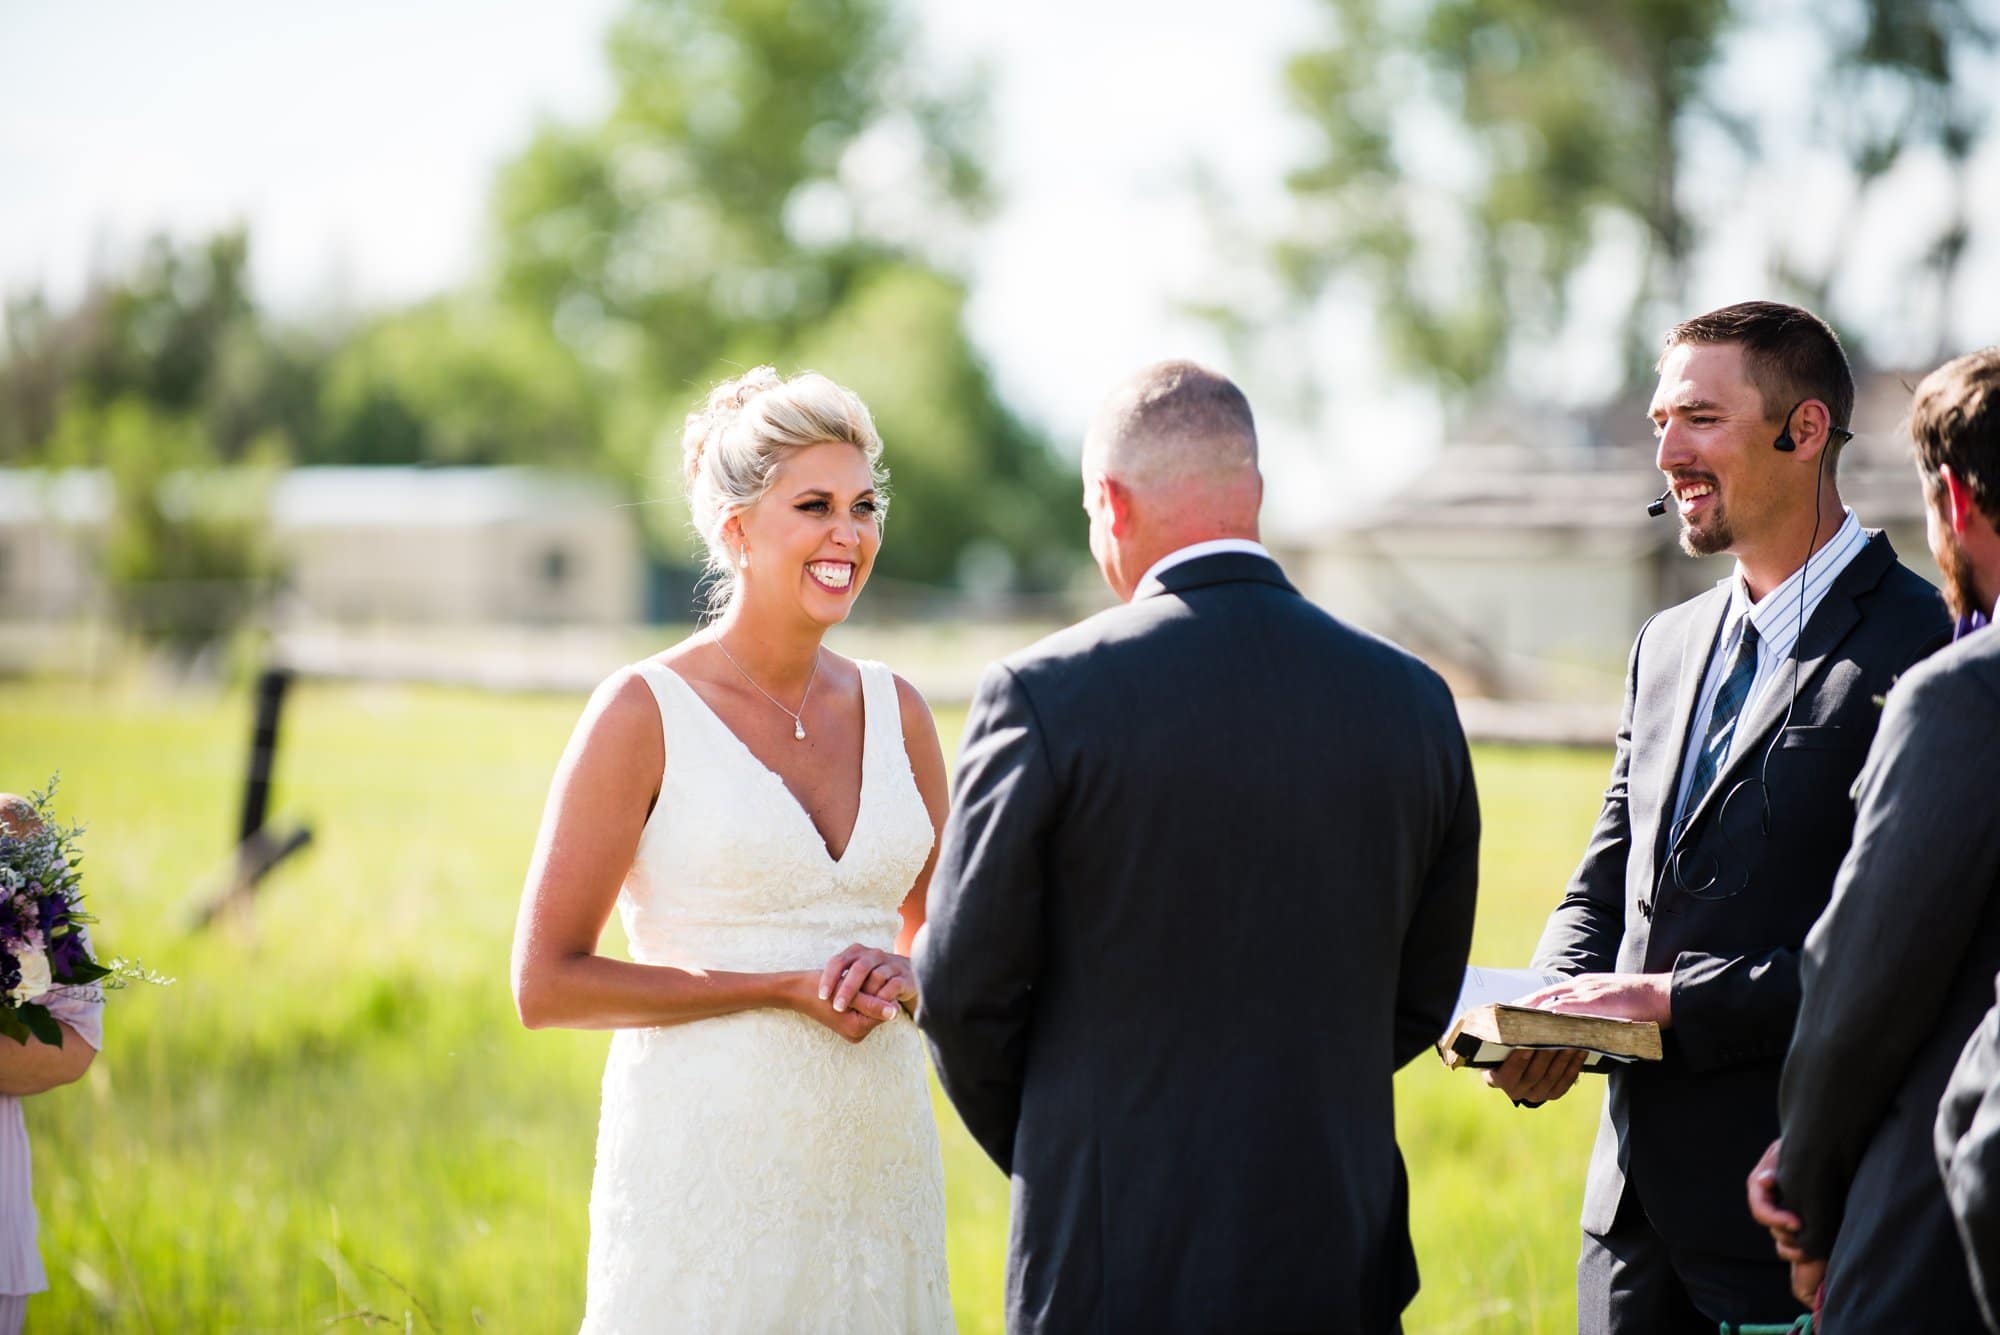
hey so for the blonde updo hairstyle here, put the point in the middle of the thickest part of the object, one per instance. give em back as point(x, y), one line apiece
point(733, 444)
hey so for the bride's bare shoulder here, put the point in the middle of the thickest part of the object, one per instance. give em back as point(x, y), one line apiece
point(624, 711)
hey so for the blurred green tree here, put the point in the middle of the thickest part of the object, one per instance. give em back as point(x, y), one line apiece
point(1470, 156)
point(976, 498)
point(179, 333)
point(456, 380)
point(778, 181)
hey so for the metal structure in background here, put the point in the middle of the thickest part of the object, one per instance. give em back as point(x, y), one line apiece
point(259, 848)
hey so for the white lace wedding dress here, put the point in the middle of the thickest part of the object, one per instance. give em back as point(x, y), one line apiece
point(756, 1172)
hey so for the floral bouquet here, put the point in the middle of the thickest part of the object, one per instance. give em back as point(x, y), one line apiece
point(43, 945)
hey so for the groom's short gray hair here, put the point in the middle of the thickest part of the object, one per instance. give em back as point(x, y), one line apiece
point(1173, 421)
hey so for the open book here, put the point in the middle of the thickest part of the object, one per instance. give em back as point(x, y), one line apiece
point(1485, 1028)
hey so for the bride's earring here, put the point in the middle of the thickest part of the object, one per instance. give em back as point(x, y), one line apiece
point(743, 559)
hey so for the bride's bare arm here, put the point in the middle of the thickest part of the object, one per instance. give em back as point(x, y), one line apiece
point(598, 804)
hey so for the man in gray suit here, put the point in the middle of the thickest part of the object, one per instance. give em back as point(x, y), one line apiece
point(1899, 970)
point(1207, 882)
point(1747, 713)
point(1968, 1150)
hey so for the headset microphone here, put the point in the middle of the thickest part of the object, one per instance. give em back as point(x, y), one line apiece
point(1658, 506)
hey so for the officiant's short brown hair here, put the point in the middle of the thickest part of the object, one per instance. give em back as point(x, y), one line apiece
point(1789, 354)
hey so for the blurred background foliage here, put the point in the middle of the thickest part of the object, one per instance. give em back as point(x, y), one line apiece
point(777, 181)
point(1634, 131)
point(790, 181)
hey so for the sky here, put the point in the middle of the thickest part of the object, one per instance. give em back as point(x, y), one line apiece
point(359, 143)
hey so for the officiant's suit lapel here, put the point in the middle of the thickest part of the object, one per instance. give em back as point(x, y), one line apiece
point(1838, 614)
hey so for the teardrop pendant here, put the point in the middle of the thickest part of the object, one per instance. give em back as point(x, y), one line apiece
point(798, 729)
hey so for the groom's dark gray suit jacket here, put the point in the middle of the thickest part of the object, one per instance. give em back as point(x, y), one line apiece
point(1207, 882)
point(1897, 976)
point(1683, 1133)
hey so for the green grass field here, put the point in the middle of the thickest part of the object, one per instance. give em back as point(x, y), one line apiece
point(333, 1117)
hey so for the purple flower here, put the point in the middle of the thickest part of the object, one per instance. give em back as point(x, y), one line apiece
point(66, 952)
point(18, 916)
point(54, 912)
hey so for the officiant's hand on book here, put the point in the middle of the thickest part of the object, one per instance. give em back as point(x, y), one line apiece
point(1623, 996)
point(1534, 1077)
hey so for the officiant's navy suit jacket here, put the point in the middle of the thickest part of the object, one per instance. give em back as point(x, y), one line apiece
point(1207, 882)
point(1683, 1133)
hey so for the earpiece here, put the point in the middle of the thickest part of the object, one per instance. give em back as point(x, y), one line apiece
point(1784, 444)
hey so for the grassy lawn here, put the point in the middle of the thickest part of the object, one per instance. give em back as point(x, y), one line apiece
point(333, 1114)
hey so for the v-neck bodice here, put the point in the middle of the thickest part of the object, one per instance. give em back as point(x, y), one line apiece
point(733, 740)
point(731, 872)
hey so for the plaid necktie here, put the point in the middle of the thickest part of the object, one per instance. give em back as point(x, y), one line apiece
point(1722, 716)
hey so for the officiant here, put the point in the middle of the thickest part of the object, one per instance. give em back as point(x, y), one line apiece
point(1747, 713)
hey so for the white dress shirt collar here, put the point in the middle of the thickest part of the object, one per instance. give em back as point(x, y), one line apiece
point(1194, 552)
point(1778, 616)
point(1768, 613)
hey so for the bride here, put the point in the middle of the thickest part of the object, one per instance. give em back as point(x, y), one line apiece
point(764, 813)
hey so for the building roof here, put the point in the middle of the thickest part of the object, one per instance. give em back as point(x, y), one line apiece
point(1495, 488)
point(426, 497)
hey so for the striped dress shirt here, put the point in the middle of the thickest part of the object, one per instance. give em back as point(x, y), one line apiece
point(1777, 617)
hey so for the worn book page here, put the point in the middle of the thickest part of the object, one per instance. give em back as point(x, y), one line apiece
point(1488, 985)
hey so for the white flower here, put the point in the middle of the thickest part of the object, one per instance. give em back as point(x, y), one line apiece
point(10, 880)
point(35, 978)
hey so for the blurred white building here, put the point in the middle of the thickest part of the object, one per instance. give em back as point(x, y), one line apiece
point(49, 523)
point(366, 546)
point(1525, 573)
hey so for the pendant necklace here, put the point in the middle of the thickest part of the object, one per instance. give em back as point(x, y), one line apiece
point(798, 716)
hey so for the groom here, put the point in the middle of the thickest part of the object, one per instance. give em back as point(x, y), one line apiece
point(1208, 881)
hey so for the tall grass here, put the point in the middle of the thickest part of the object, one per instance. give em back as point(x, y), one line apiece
point(333, 1118)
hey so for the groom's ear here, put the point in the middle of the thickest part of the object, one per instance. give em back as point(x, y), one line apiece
point(1116, 499)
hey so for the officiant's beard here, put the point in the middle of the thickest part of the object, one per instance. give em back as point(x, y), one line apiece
point(1716, 536)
